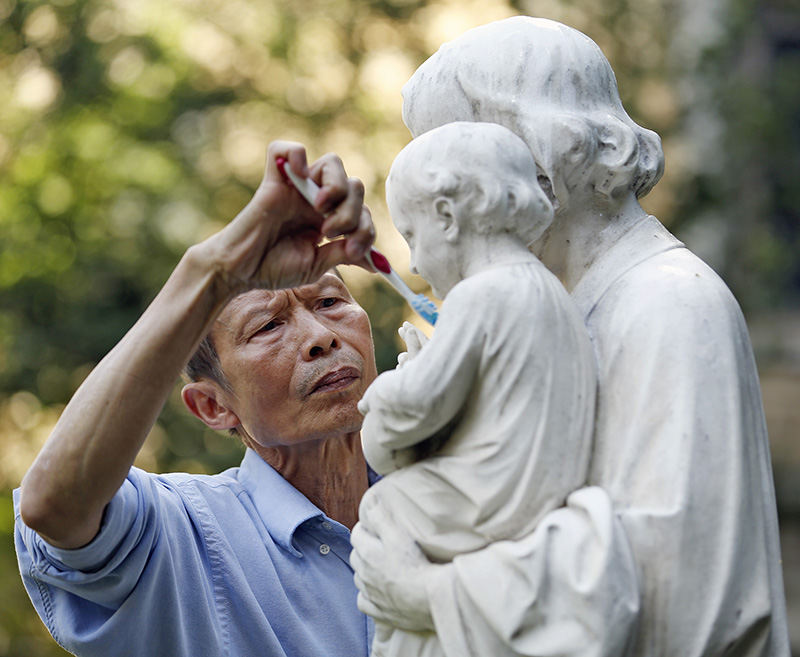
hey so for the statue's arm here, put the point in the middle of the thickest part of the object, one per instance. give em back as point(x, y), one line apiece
point(569, 587)
point(405, 406)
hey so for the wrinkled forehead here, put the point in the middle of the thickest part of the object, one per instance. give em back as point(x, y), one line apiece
point(240, 308)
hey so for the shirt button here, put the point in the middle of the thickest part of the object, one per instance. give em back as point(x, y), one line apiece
point(327, 525)
point(324, 548)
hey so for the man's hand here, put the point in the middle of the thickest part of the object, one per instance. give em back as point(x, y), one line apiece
point(391, 572)
point(276, 240)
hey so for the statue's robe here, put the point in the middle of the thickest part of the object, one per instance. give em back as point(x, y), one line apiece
point(681, 450)
point(489, 427)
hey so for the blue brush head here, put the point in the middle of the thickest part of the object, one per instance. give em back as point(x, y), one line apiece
point(425, 308)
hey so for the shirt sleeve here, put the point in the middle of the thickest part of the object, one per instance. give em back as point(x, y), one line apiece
point(406, 406)
point(99, 597)
point(568, 588)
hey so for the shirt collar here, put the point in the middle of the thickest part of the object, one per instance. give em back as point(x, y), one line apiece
point(646, 239)
point(281, 506)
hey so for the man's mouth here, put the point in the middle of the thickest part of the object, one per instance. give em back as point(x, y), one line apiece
point(336, 380)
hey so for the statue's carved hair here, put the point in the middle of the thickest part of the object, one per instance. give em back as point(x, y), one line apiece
point(535, 77)
point(484, 166)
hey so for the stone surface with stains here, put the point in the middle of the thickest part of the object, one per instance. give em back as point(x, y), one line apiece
point(680, 442)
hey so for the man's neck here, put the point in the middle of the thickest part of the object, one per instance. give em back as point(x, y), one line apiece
point(576, 239)
point(331, 473)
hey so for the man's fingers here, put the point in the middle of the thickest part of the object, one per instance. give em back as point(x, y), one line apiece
point(360, 241)
point(344, 217)
point(328, 172)
point(329, 255)
point(350, 250)
point(286, 250)
point(340, 199)
point(295, 155)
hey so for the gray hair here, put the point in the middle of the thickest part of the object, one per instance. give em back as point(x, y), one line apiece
point(205, 364)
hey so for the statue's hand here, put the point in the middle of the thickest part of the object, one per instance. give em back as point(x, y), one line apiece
point(414, 339)
point(391, 572)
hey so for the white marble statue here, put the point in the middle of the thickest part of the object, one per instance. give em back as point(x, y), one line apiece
point(679, 470)
point(468, 433)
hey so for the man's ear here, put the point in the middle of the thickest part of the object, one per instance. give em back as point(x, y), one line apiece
point(202, 398)
point(446, 218)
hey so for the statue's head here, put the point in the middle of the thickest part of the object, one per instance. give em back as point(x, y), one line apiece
point(552, 86)
point(459, 184)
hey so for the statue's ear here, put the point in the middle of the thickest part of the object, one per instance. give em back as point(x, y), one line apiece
point(573, 151)
point(203, 399)
point(617, 154)
point(445, 213)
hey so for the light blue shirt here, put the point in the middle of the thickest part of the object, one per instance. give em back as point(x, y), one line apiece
point(237, 564)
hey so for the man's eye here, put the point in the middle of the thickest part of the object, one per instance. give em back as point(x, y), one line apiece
point(328, 302)
point(268, 326)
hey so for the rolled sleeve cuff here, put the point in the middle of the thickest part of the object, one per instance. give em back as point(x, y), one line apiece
point(94, 557)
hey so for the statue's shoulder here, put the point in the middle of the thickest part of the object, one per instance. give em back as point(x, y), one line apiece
point(645, 267)
point(503, 286)
point(675, 279)
point(671, 298)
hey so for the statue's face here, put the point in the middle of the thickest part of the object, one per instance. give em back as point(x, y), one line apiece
point(433, 256)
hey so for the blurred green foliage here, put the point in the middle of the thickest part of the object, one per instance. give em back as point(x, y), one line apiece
point(132, 128)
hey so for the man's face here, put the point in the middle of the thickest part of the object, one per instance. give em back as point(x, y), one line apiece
point(297, 361)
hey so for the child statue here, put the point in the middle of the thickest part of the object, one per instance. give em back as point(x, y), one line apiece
point(489, 426)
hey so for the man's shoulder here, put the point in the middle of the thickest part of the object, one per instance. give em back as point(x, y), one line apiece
point(182, 491)
point(209, 503)
point(223, 482)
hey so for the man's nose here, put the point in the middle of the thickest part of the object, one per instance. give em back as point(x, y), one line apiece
point(318, 338)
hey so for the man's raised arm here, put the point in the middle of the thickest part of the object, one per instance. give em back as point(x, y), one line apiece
point(273, 243)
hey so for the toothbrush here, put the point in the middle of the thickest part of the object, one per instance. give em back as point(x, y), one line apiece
point(423, 306)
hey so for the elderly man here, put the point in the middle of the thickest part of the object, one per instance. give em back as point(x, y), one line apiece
point(253, 561)
point(680, 440)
